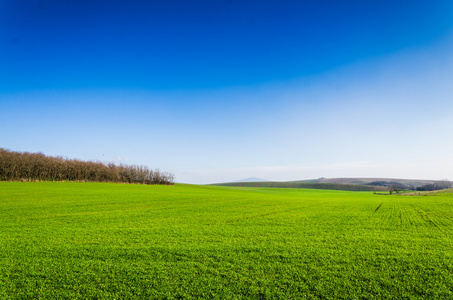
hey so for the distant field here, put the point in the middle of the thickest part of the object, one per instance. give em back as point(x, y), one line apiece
point(306, 185)
point(118, 241)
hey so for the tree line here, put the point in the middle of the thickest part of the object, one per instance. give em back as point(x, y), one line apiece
point(438, 185)
point(397, 186)
point(25, 166)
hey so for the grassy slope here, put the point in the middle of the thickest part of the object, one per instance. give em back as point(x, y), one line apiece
point(92, 240)
point(306, 185)
point(414, 182)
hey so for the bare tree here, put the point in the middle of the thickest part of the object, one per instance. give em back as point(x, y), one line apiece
point(36, 166)
point(394, 188)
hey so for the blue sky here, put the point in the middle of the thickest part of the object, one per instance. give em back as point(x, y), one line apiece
point(222, 90)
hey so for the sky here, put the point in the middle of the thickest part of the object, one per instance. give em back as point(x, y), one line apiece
point(216, 91)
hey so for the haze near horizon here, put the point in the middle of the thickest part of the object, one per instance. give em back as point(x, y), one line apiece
point(223, 90)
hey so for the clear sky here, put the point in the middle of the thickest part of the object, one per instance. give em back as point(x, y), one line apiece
point(215, 91)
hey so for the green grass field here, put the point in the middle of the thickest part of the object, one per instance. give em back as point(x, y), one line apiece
point(118, 241)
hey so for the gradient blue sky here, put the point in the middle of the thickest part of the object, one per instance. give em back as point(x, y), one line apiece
point(216, 91)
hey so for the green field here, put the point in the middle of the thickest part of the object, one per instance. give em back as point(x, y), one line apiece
point(118, 241)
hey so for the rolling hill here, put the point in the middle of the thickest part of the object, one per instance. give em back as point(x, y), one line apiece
point(368, 181)
point(306, 185)
point(251, 179)
point(346, 184)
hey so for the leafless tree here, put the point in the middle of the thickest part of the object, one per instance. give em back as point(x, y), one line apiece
point(394, 188)
point(38, 167)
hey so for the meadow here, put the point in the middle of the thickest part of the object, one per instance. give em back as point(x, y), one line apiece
point(120, 241)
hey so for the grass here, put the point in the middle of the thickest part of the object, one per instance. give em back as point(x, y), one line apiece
point(116, 241)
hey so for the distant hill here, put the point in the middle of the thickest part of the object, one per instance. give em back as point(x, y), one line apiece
point(346, 184)
point(251, 179)
point(306, 185)
point(368, 181)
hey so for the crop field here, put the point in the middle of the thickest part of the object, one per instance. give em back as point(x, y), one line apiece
point(119, 241)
